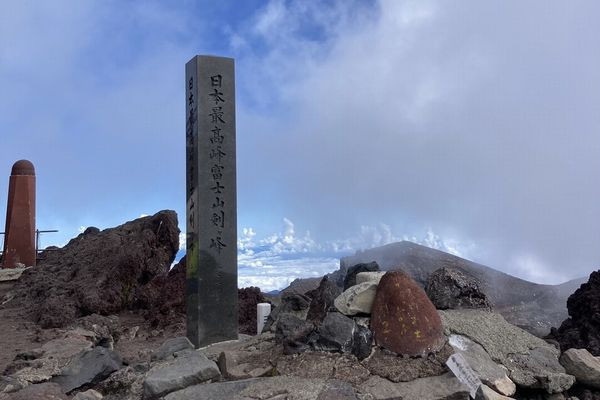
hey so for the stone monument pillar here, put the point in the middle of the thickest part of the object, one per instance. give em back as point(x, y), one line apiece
point(211, 281)
point(19, 236)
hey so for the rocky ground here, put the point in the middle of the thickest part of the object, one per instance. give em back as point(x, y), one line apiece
point(366, 334)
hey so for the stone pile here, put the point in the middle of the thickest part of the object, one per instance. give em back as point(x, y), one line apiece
point(380, 339)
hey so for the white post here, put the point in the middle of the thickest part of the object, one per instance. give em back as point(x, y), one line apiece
point(262, 313)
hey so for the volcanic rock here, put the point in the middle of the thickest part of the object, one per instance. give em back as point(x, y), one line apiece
point(98, 272)
point(163, 298)
point(171, 346)
point(350, 279)
point(449, 288)
point(489, 372)
point(291, 303)
point(485, 393)
point(88, 395)
point(374, 277)
point(336, 333)
point(294, 333)
point(248, 298)
point(443, 387)
point(188, 368)
point(403, 319)
point(42, 391)
point(531, 362)
point(405, 369)
point(88, 368)
point(582, 329)
point(357, 299)
point(583, 366)
point(322, 299)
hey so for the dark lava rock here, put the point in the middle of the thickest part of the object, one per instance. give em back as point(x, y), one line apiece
point(248, 298)
point(336, 333)
point(582, 329)
point(98, 272)
point(87, 368)
point(291, 303)
point(294, 333)
point(449, 288)
point(163, 298)
point(322, 300)
point(350, 279)
point(341, 334)
point(403, 319)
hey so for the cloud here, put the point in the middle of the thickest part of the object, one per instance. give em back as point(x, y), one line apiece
point(465, 119)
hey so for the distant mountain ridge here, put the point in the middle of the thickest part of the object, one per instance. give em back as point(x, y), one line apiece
point(532, 306)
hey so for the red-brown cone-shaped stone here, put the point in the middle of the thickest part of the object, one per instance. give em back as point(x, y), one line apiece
point(403, 319)
point(19, 239)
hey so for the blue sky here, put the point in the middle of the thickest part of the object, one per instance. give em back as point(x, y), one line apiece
point(471, 126)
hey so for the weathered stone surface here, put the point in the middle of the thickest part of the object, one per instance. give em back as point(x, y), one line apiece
point(125, 383)
point(403, 319)
point(532, 363)
point(291, 303)
point(42, 391)
point(443, 387)
point(232, 366)
point(171, 346)
point(362, 342)
point(88, 367)
point(480, 361)
point(485, 393)
point(404, 369)
point(336, 333)
point(583, 366)
point(449, 288)
point(582, 329)
point(188, 368)
point(350, 279)
point(337, 390)
point(318, 365)
point(88, 395)
point(294, 333)
point(283, 387)
point(374, 277)
point(98, 272)
point(212, 391)
point(322, 299)
point(11, 274)
point(357, 299)
point(44, 363)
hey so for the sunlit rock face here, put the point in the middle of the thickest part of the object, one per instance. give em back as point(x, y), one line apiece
point(403, 319)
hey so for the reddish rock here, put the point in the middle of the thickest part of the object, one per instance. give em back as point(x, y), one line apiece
point(403, 319)
point(98, 272)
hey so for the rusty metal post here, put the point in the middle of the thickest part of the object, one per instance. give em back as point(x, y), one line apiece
point(19, 239)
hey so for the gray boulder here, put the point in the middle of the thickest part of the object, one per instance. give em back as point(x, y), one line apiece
point(357, 299)
point(374, 277)
point(212, 391)
point(486, 369)
point(88, 395)
point(449, 288)
point(171, 346)
point(485, 393)
point(336, 333)
point(531, 362)
point(186, 369)
point(443, 387)
point(583, 365)
point(42, 391)
point(87, 368)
